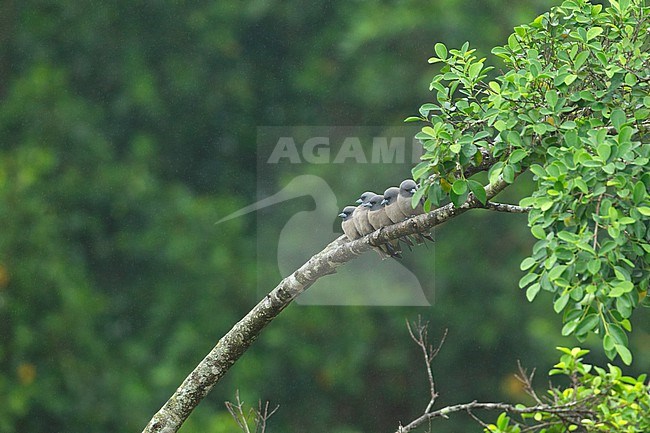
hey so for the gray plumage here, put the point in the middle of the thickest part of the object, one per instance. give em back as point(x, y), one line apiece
point(406, 190)
point(392, 208)
point(361, 218)
point(361, 221)
point(396, 213)
point(363, 198)
point(377, 213)
point(378, 219)
point(347, 224)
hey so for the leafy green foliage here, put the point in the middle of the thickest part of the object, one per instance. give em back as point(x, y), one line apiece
point(598, 400)
point(573, 108)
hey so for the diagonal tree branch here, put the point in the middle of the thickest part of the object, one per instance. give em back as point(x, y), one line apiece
point(232, 345)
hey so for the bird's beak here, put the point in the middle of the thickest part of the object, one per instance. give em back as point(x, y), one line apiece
point(366, 204)
point(412, 191)
point(359, 201)
point(342, 215)
point(384, 202)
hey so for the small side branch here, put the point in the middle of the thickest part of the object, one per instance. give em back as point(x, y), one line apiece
point(504, 207)
point(567, 409)
point(421, 338)
point(242, 418)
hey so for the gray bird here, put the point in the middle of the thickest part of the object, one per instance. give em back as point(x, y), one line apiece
point(347, 224)
point(392, 208)
point(406, 190)
point(365, 197)
point(398, 206)
point(377, 213)
point(396, 215)
point(378, 219)
point(361, 217)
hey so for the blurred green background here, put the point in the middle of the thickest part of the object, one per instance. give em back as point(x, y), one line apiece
point(128, 128)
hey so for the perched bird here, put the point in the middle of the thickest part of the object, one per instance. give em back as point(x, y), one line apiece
point(392, 208)
point(347, 224)
point(396, 215)
point(406, 190)
point(378, 219)
point(398, 206)
point(377, 212)
point(365, 197)
point(361, 216)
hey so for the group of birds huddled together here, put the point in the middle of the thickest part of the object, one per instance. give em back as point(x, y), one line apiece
point(375, 211)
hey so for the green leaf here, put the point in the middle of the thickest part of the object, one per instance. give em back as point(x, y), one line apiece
point(494, 86)
point(604, 150)
point(527, 263)
point(620, 288)
point(459, 186)
point(587, 324)
point(532, 292)
point(556, 272)
point(457, 199)
point(412, 119)
point(538, 170)
point(568, 328)
point(429, 131)
point(593, 266)
point(495, 171)
point(631, 79)
point(509, 173)
point(617, 334)
point(441, 50)
point(580, 59)
point(644, 210)
point(561, 302)
point(517, 155)
point(420, 170)
point(593, 32)
point(608, 342)
point(551, 98)
point(569, 79)
point(527, 279)
point(618, 118)
point(544, 203)
point(639, 194)
point(478, 190)
point(538, 232)
point(624, 353)
point(475, 70)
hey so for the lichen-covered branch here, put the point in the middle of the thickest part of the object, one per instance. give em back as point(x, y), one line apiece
point(504, 207)
point(232, 345)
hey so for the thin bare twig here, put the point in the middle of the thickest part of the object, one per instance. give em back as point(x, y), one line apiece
point(237, 412)
point(421, 338)
point(527, 381)
point(260, 416)
point(477, 419)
